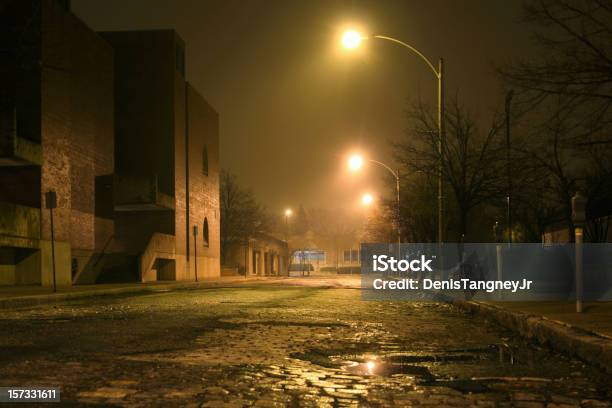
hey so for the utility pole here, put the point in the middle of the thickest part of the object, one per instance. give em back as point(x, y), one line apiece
point(441, 149)
point(399, 215)
point(509, 96)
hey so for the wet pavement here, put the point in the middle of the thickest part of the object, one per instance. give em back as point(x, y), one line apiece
point(276, 346)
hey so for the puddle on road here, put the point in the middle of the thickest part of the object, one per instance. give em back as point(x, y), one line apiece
point(387, 368)
point(429, 367)
point(364, 360)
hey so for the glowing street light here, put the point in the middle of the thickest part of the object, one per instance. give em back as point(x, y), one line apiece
point(367, 199)
point(355, 162)
point(351, 39)
point(288, 213)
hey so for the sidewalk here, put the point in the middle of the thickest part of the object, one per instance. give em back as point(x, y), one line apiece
point(587, 336)
point(596, 318)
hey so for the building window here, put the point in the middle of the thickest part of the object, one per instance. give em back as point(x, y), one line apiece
point(205, 234)
point(205, 160)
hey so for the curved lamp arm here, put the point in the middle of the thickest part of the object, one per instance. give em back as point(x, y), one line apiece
point(411, 48)
point(386, 167)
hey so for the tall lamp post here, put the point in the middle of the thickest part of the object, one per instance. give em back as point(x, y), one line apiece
point(356, 162)
point(509, 96)
point(351, 40)
point(288, 213)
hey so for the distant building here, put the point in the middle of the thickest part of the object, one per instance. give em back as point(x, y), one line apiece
point(56, 133)
point(328, 257)
point(334, 253)
point(262, 256)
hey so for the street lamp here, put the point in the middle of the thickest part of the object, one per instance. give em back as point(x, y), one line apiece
point(367, 199)
point(355, 163)
point(288, 214)
point(352, 40)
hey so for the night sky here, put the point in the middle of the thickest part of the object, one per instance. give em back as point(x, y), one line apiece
point(292, 103)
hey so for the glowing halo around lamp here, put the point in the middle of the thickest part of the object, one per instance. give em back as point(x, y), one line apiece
point(367, 199)
point(351, 39)
point(355, 162)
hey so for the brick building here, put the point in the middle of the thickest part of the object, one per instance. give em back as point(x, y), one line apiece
point(166, 160)
point(109, 123)
point(56, 133)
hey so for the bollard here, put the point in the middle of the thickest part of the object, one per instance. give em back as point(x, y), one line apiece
point(579, 271)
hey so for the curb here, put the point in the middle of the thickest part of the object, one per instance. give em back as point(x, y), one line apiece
point(573, 341)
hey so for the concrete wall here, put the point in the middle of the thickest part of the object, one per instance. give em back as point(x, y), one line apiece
point(19, 266)
point(63, 257)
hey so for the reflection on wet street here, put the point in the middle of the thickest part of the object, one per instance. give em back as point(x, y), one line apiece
point(283, 346)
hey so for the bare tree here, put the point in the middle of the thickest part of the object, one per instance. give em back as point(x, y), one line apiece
point(242, 217)
point(418, 215)
point(564, 103)
point(598, 189)
point(380, 224)
point(575, 62)
point(471, 164)
point(549, 153)
point(554, 165)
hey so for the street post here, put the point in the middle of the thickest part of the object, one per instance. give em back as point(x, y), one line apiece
point(51, 203)
point(497, 233)
point(578, 218)
point(195, 251)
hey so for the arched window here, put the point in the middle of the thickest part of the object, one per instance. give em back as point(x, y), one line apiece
point(205, 234)
point(205, 160)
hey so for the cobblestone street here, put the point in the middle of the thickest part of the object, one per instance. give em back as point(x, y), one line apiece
point(275, 346)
